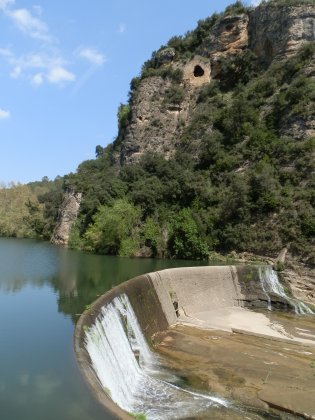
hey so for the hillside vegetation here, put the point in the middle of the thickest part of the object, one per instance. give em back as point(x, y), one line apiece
point(251, 188)
point(239, 180)
point(30, 211)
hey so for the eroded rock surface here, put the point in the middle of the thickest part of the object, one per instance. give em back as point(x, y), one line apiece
point(272, 32)
point(152, 122)
point(298, 277)
point(252, 370)
point(68, 213)
point(301, 279)
point(277, 32)
point(229, 37)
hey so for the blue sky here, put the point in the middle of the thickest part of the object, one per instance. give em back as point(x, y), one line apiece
point(65, 66)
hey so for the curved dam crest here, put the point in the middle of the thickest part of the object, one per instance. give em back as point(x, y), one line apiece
point(113, 338)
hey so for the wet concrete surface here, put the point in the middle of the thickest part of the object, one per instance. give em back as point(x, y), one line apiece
point(270, 374)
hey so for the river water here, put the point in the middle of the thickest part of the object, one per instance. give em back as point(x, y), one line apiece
point(43, 290)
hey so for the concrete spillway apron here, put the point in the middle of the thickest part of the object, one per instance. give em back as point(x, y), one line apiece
point(182, 295)
point(153, 298)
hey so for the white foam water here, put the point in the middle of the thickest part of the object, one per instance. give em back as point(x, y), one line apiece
point(131, 374)
point(270, 284)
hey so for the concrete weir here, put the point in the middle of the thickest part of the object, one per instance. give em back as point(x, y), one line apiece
point(159, 308)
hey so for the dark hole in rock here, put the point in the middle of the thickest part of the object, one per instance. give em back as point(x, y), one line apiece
point(175, 304)
point(198, 71)
point(229, 27)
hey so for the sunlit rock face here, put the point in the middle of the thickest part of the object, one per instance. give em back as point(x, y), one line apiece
point(230, 34)
point(228, 37)
point(161, 108)
point(153, 122)
point(68, 213)
point(157, 113)
point(277, 32)
point(197, 72)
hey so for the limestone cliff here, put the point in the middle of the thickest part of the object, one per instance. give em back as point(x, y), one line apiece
point(277, 32)
point(160, 108)
point(67, 215)
point(157, 119)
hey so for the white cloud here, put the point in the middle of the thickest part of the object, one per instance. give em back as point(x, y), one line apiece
point(16, 72)
point(95, 58)
point(92, 56)
point(59, 75)
point(35, 60)
point(37, 79)
point(47, 65)
point(38, 67)
point(30, 25)
point(6, 53)
point(121, 28)
point(4, 4)
point(38, 9)
point(25, 21)
point(4, 115)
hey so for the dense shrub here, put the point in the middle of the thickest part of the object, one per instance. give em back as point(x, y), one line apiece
point(175, 95)
point(113, 229)
point(123, 115)
point(237, 69)
point(185, 240)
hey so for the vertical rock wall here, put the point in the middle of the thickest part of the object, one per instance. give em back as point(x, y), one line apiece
point(277, 32)
point(272, 31)
point(67, 215)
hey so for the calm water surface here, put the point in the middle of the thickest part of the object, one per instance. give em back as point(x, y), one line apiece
point(43, 289)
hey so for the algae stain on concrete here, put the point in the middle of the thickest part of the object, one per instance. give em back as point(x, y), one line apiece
point(250, 370)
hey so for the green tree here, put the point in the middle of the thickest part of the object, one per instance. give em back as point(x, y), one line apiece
point(112, 226)
point(185, 237)
point(124, 112)
point(154, 236)
point(264, 188)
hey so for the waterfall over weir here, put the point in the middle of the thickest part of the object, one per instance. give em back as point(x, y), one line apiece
point(270, 284)
point(131, 374)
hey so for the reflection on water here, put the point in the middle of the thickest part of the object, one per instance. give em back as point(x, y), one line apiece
point(25, 262)
point(76, 277)
point(42, 290)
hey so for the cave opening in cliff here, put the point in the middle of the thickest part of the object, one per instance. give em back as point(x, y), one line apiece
point(229, 27)
point(198, 71)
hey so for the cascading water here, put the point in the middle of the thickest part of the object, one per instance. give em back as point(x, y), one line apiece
point(270, 284)
point(131, 374)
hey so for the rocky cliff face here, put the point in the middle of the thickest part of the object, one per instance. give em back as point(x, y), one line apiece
point(277, 32)
point(272, 32)
point(158, 115)
point(68, 213)
point(152, 121)
point(228, 37)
